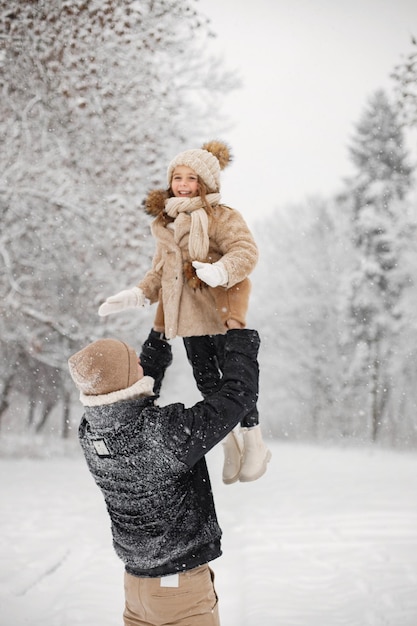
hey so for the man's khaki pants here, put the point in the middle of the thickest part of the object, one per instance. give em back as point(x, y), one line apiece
point(192, 602)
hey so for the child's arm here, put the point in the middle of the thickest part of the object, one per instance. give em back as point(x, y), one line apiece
point(235, 252)
point(236, 244)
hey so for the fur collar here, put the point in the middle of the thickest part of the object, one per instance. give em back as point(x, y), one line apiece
point(155, 202)
point(143, 387)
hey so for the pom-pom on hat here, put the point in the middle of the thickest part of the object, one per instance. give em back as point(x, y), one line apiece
point(104, 366)
point(206, 161)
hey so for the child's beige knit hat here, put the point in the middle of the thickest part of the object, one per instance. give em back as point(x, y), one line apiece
point(104, 366)
point(206, 161)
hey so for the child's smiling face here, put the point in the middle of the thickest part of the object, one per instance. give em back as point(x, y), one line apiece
point(184, 183)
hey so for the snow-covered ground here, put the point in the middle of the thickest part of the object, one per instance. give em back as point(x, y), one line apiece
point(327, 537)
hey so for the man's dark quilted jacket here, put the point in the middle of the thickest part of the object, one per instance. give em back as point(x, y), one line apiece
point(149, 464)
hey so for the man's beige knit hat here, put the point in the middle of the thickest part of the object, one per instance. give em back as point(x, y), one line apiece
point(104, 366)
point(206, 161)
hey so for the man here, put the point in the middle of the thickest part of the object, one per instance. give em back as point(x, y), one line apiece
point(149, 464)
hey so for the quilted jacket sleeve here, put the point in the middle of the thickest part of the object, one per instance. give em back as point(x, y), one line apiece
point(155, 357)
point(193, 432)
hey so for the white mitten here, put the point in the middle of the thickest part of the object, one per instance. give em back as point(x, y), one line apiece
point(214, 274)
point(126, 299)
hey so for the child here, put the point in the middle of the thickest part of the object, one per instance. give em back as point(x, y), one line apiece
point(199, 277)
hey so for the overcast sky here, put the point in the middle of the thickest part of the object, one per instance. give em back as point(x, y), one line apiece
point(308, 67)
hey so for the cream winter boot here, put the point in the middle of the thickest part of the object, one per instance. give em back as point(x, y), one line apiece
point(255, 454)
point(232, 448)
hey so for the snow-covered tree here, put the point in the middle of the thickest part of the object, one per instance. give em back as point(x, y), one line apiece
point(381, 232)
point(332, 298)
point(96, 97)
point(405, 77)
point(303, 253)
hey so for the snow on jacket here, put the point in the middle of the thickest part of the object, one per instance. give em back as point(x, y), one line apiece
point(191, 312)
point(149, 463)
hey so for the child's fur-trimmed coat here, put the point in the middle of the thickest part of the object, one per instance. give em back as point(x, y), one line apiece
point(189, 305)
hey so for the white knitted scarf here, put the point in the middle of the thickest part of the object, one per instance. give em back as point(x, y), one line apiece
point(198, 242)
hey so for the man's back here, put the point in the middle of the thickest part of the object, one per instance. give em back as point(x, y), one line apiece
point(162, 511)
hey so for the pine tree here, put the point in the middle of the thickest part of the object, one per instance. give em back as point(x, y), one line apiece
point(380, 233)
point(405, 77)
